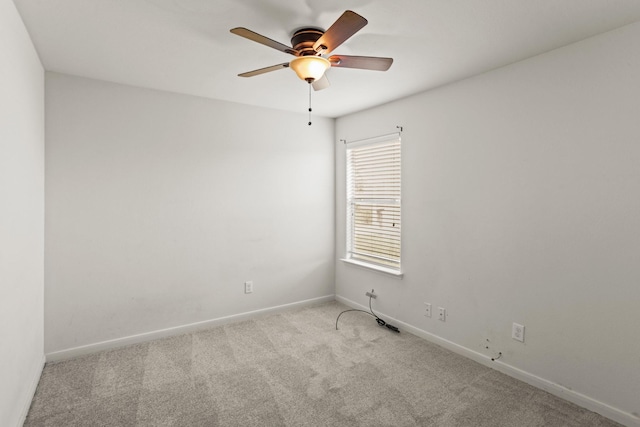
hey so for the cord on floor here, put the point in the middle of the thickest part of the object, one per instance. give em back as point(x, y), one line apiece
point(370, 313)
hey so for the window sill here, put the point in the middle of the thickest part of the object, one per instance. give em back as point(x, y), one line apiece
point(373, 267)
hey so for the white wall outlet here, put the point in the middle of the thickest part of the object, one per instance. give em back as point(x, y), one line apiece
point(517, 332)
point(248, 287)
point(427, 309)
point(442, 314)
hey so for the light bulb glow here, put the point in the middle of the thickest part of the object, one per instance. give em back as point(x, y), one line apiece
point(310, 68)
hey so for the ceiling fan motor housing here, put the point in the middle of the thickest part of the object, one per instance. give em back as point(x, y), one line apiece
point(304, 39)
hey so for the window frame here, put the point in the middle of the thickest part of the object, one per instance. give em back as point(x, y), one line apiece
point(393, 199)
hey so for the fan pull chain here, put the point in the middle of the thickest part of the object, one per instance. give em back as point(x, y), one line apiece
point(310, 104)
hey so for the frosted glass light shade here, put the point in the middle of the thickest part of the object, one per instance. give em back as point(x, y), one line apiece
point(310, 68)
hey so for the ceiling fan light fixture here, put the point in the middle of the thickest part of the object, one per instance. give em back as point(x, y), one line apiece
point(310, 68)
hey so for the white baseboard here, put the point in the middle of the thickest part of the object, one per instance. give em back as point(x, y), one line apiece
point(572, 396)
point(162, 333)
point(33, 385)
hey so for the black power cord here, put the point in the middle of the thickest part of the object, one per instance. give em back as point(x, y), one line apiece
point(370, 313)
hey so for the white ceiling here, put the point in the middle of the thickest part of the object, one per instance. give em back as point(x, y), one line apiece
point(185, 46)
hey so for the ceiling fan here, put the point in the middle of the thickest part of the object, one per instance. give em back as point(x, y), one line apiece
point(309, 44)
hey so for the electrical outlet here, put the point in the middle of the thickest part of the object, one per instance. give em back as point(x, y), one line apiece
point(442, 314)
point(371, 294)
point(248, 287)
point(427, 309)
point(517, 332)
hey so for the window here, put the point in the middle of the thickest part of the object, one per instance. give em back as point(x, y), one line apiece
point(373, 202)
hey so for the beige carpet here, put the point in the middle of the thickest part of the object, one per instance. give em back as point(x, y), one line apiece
point(292, 369)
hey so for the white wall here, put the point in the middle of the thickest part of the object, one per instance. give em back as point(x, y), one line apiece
point(521, 204)
point(21, 216)
point(160, 206)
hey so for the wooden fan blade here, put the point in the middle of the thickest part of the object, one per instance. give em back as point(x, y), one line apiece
point(321, 83)
point(362, 62)
point(259, 38)
point(347, 25)
point(264, 70)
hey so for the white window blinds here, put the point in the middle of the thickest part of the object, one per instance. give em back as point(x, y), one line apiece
point(373, 201)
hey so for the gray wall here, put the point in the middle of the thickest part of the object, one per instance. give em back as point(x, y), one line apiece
point(521, 204)
point(160, 206)
point(21, 217)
